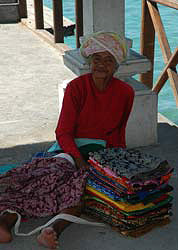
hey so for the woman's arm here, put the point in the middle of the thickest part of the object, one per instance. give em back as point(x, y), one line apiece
point(81, 163)
point(65, 131)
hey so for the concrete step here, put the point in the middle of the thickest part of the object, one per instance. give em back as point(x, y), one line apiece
point(135, 64)
point(9, 11)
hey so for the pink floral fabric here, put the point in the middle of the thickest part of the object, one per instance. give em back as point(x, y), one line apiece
point(42, 187)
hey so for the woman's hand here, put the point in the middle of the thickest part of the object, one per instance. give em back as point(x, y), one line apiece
point(81, 163)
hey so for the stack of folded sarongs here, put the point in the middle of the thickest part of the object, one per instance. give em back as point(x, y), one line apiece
point(129, 190)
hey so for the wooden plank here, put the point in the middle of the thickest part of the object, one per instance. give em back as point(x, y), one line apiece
point(58, 21)
point(164, 75)
point(159, 28)
point(168, 3)
point(166, 51)
point(39, 19)
point(23, 8)
point(147, 39)
point(79, 20)
point(68, 25)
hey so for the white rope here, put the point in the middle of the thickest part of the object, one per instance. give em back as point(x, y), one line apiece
point(67, 217)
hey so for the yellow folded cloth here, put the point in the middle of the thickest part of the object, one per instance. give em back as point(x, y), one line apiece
point(120, 205)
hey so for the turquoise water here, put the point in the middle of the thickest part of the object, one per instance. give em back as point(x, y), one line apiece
point(166, 101)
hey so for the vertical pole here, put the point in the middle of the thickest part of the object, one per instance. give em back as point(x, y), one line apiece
point(79, 20)
point(147, 43)
point(23, 8)
point(58, 21)
point(39, 20)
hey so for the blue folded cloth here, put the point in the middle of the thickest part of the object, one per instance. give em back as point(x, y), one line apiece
point(43, 155)
point(7, 167)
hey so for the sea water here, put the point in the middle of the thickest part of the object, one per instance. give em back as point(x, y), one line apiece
point(169, 16)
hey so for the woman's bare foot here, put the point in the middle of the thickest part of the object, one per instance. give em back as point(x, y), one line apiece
point(7, 221)
point(48, 238)
point(5, 234)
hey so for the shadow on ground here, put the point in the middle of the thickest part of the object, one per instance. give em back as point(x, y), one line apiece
point(94, 237)
point(167, 139)
point(168, 134)
point(22, 153)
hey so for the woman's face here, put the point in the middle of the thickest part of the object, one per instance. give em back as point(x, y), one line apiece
point(103, 65)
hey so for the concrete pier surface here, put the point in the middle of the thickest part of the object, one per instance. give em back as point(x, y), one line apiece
point(30, 71)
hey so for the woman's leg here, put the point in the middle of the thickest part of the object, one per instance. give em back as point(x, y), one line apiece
point(7, 221)
point(49, 236)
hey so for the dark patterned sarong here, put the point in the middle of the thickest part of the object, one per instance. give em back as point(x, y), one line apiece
point(42, 187)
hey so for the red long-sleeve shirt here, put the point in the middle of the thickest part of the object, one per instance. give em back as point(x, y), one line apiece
point(90, 113)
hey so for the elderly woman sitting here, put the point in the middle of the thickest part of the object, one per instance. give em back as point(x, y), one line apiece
point(95, 106)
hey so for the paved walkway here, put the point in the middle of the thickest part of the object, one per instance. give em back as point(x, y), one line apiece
point(30, 71)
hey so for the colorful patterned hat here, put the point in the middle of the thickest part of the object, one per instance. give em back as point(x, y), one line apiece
point(104, 41)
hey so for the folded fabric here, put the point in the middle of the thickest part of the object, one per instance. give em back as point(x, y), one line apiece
point(107, 216)
point(110, 193)
point(7, 167)
point(147, 181)
point(137, 232)
point(107, 213)
point(124, 187)
point(128, 190)
point(126, 207)
point(43, 155)
point(130, 163)
point(132, 199)
point(92, 202)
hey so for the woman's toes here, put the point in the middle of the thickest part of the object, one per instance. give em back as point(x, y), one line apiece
point(48, 238)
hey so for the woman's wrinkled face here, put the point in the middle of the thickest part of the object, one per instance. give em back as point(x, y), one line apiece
point(103, 65)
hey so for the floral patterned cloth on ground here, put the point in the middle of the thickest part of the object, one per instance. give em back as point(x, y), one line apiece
point(42, 187)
